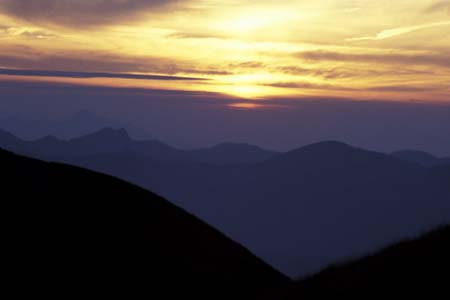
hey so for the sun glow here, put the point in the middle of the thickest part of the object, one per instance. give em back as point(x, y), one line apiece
point(244, 91)
point(249, 20)
point(245, 105)
point(249, 86)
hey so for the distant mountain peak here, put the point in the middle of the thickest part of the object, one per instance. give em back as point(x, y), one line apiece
point(327, 154)
point(113, 131)
point(234, 145)
point(325, 147)
point(4, 133)
point(9, 140)
point(109, 134)
point(330, 144)
point(232, 153)
point(418, 157)
point(48, 138)
point(415, 153)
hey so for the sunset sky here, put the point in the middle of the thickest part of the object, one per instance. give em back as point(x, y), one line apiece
point(358, 49)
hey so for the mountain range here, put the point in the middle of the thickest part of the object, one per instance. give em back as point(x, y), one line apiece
point(72, 232)
point(67, 126)
point(298, 211)
point(110, 141)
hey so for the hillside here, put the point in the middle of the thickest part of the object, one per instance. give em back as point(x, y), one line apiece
point(75, 232)
point(412, 267)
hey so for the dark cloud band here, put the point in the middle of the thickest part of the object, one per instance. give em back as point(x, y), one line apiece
point(42, 73)
point(80, 13)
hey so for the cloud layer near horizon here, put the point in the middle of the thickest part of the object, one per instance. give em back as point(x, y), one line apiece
point(188, 119)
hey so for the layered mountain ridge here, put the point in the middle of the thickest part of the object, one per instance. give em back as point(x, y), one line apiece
point(299, 210)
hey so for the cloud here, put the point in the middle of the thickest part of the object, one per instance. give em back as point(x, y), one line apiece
point(211, 71)
point(405, 88)
point(389, 33)
point(196, 35)
point(26, 32)
point(439, 6)
point(436, 59)
point(397, 88)
point(247, 65)
point(64, 74)
point(38, 34)
point(22, 57)
point(84, 61)
point(343, 72)
point(306, 85)
point(80, 13)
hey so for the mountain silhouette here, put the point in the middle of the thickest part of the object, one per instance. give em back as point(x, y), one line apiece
point(11, 142)
point(422, 158)
point(110, 141)
point(232, 153)
point(80, 123)
point(413, 267)
point(73, 232)
point(300, 210)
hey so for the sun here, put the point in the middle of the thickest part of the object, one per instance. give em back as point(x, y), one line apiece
point(246, 91)
point(249, 20)
point(246, 24)
point(247, 86)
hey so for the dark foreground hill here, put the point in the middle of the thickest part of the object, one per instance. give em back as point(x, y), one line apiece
point(411, 267)
point(71, 232)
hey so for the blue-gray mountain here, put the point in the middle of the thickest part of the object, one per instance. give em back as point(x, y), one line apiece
point(421, 158)
point(110, 141)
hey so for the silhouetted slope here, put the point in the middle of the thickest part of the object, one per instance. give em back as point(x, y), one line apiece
point(421, 158)
point(409, 267)
point(75, 232)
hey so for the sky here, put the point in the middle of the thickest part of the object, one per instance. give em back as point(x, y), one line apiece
point(254, 50)
point(193, 73)
point(190, 120)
